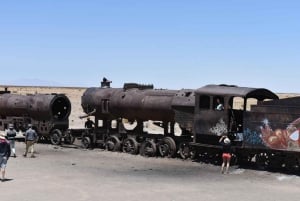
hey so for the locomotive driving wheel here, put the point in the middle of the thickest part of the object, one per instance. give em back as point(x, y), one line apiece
point(86, 142)
point(167, 147)
point(113, 143)
point(69, 139)
point(148, 148)
point(130, 145)
point(55, 137)
point(184, 150)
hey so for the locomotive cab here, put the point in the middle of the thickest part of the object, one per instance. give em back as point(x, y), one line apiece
point(221, 110)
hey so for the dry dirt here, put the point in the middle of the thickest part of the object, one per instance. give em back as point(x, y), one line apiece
point(71, 173)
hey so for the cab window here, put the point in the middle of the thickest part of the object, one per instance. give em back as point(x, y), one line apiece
point(218, 103)
point(204, 102)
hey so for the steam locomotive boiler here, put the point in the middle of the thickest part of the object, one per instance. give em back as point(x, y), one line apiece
point(137, 103)
point(262, 128)
point(48, 114)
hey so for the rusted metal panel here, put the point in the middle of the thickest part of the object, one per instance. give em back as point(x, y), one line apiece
point(229, 90)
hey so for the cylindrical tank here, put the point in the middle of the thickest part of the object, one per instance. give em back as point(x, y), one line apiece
point(139, 102)
point(38, 106)
point(131, 103)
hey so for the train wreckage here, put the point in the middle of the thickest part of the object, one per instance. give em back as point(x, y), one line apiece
point(48, 113)
point(262, 127)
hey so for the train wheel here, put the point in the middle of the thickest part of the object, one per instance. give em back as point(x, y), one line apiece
point(55, 137)
point(291, 163)
point(69, 139)
point(113, 143)
point(86, 142)
point(148, 148)
point(130, 146)
point(262, 160)
point(167, 147)
point(184, 150)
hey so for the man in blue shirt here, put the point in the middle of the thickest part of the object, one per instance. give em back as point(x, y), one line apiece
point(30, 139)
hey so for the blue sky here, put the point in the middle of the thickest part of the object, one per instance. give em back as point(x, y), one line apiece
point(172, 44)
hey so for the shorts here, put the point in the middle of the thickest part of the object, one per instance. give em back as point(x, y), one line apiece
point(3, 161)
point(226, 156)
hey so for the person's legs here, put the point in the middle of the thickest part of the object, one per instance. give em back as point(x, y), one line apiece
point(3, 162)
point(32, 149)
point(223, 164)
point(27, 147)
point(227, 165)
point(12, 146)
point(2, 174)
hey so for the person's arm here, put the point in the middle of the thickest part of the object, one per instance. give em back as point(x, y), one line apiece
point(15, 134)
point(26, 136)
point(222, 138)
point(8, 151)
point(35, 136)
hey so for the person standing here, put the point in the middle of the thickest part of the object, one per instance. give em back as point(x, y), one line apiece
point(11, 134)
point(89, 123)
point(226, 153)
point(30, 139)
point(4, 155)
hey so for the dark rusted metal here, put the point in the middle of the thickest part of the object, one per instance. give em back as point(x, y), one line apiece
point(46, 112)
point(39, 106)
point(137, 102)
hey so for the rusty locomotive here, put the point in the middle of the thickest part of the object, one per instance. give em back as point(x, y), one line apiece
point(48, 114)
point(263, 128)
point(140, 119)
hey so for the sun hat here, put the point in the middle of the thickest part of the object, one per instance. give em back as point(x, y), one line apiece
point(226, 140)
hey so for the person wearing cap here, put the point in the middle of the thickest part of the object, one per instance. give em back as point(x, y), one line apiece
point(226, 153)
point(11, 134)
point(4, 155)
point(30, 139)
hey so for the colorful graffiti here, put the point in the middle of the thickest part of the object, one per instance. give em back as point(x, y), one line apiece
point(220, 128)
point(252, 137)
point(281, 138)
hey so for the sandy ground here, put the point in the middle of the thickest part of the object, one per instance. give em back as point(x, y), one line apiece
point(71, 173)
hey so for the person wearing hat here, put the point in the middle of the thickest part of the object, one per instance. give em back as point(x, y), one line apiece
point(30, 139)
point(226, 153)
point(4, 155)
point(11, 134)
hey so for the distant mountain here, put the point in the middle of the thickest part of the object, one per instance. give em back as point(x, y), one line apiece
point(31, 82)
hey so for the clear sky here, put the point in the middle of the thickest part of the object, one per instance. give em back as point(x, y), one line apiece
point(172, 44)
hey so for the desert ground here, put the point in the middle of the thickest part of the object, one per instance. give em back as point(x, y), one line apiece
point(69, 172)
